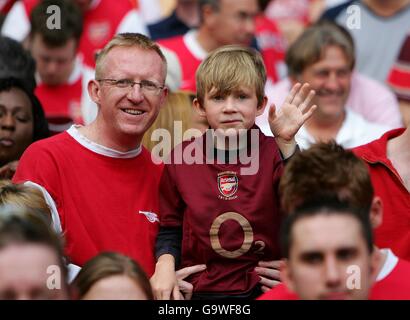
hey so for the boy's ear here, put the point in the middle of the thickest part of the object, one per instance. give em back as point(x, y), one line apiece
point(261, 108)
point(199, 108)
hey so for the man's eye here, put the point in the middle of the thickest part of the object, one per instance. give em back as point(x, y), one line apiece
point(123, 83)
point(149, 85)
point(312, 258)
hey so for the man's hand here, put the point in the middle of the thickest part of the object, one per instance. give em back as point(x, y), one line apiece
point(164, 281)
point(296, 110)
point(184, 286)
point(269, 271)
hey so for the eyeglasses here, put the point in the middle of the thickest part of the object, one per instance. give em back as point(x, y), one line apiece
point(146, 86)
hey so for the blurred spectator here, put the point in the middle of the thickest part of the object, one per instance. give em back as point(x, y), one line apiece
point(271, 44)
point(183, 18)
point(59, 72)
point(380, 108)
point(31, 263)
point(369, 21)
point(388, 160)
point(16, 62)
point(329, 169)
point(62, 78)
point(112, 276)
point(22, 122)
point(399, 80)
point(222, 22)
point(102, 20)
point(324, 57)
point(320, 242)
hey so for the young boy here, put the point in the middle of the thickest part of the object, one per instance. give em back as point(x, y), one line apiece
point(225, 216)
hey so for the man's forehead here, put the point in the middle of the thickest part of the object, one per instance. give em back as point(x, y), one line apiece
point(130, 60)
point(240, 5)
point(326, 232)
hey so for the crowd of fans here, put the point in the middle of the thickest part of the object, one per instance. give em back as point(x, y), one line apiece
point(205, 149)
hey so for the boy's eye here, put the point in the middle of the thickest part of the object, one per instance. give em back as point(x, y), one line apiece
point(242, 96)
point(217, 98)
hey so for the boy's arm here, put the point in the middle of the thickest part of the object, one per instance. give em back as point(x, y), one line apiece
point(285, 123)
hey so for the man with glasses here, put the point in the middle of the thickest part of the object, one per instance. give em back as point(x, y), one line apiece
point(98, 177)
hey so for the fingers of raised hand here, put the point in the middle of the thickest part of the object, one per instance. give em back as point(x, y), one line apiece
point(306, 102)
point(293, 92)
point(301, 95)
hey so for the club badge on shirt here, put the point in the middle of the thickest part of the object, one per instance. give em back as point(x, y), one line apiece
point(227, 185)
point(151, 216)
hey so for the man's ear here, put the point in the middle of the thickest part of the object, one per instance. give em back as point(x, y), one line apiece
point(376, 212)
point(208, 14)
point(164, 96)
point(94, 90)
point(286, 275)
point(199, 108)
point(261, 108)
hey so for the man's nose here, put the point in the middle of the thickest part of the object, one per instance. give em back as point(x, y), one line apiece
point(332, 82)
point(135, 93)
point(52, 67)
point(332, 273)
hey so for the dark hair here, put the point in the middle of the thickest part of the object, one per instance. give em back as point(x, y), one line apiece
point(21, 225)
point(71, 22)
point(326, 204)
point(16, 62)
point(40, 125)
point(310, 46)
point(214, 4)
point(109, 264)
point(326, 166)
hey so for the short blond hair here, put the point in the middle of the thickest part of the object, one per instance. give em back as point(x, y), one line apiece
point(24, 196)
point(229, 67)
point(128, 40)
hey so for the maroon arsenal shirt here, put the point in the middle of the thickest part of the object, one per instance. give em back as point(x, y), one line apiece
point(230, 219)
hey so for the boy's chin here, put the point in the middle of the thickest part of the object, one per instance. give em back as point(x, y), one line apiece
point(229, 132)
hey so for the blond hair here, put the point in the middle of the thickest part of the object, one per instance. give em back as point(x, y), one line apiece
point(229, 67)
point(178, 107)
point(24, 196)
point(127, 40)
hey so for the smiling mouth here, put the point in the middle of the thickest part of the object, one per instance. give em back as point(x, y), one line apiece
point(133, 112)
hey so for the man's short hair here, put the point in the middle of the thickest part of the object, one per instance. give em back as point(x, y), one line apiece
point(324, 168)
point(71, 22)
point(324, 205)
point(310, 46)
point(128, 40)
point(229, 67)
